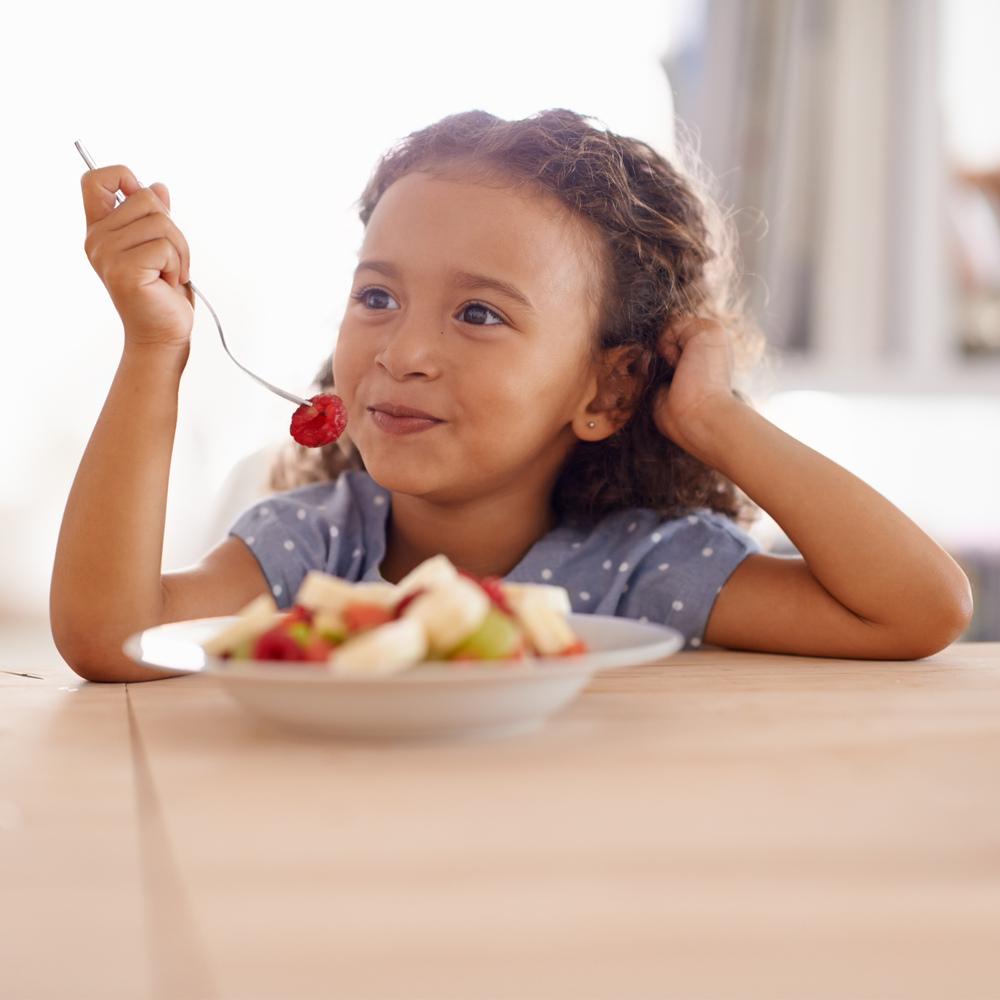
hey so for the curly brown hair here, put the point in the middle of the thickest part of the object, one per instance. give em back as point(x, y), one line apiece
point(667, 252)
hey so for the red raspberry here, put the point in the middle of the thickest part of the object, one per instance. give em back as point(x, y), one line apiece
point(320, 423)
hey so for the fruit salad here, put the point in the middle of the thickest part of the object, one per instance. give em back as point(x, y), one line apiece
point(437, 612)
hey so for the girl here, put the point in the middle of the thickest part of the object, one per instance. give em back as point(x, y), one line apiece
point(537, 360)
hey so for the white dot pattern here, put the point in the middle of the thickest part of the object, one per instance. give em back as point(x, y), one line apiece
point(606, 564)
point(334, 531)
point(696, 642)
point(707, 551)
point(301, 513)
point(623, 568)
point(289, 545)
point(277, 590)
point(678, 605)
point(379, 500)
point(632, 526)
point(584, 595)
point(655, 537)
point(663, 567)
point(546, 575)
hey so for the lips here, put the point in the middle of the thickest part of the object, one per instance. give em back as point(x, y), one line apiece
point(398, 410)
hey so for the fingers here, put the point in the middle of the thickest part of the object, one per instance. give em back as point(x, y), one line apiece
point(162, 193)
point(141, 218)
point(155, 259)
point(99, 187)
point(680, 331)
point(152, 227)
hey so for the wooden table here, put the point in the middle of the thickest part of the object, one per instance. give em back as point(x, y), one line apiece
point(721, 825)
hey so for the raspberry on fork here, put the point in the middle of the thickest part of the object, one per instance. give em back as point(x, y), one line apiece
point(320, 423)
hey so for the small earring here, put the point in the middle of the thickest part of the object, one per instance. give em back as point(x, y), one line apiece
point(591, 423)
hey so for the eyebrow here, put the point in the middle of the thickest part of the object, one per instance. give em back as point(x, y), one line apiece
point(462, 279)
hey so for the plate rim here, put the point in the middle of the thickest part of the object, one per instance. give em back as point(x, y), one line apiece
point(672, 641)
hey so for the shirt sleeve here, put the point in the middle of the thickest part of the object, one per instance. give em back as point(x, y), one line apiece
point(679, 577)
point(289, 534)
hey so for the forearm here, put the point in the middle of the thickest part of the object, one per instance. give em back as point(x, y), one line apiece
point(861, 548)
point(107, 571)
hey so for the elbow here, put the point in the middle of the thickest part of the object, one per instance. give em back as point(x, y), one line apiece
point(101, 663)
point(934, 632)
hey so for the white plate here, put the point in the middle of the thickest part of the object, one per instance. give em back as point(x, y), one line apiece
point(429, 700)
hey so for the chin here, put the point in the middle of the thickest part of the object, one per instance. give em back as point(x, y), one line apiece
point(407, 476)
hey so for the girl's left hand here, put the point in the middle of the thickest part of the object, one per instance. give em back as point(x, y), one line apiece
point(702, 355)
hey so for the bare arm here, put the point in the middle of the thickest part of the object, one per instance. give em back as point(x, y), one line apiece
point(106, 579)
point(869, 583)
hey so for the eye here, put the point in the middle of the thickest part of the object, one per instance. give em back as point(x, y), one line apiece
point(362, 296)
point(366, 297)
point(484, 309)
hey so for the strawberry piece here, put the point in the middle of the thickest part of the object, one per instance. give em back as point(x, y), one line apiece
point(491, 585)
point(317, 650)
point(405, 602)
point(277, 644)
point(320, 423)
point(358, 617)
point(298, 613)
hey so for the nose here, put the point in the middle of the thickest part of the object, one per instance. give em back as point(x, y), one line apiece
point(412, 349)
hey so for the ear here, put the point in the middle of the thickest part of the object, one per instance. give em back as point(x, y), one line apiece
point(612, 393)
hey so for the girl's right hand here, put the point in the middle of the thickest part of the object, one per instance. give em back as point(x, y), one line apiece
point(140, 255)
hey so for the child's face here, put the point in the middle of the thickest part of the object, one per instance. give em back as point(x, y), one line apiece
point(508, 380)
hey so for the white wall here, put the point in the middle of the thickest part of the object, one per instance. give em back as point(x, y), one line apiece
point(264, 121)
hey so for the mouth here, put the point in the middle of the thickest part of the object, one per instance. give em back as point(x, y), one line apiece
point(395, 419)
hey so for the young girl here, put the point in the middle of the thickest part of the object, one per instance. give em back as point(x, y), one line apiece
point(537, 360)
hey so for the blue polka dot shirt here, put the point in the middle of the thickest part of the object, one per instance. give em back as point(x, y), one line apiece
point(632, 564)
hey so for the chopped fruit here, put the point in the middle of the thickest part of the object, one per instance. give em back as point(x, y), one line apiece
point(449, 613)
point(320, 423)
point(437, 612)
point(358, 617)
point(277, 644)
point(431, 572)
point(493, 585)
point(386, 650)
point(317, 649)
point(251, 621)
point(330, 627)
point(498, 638)
point(407, 601)
point(299, 613)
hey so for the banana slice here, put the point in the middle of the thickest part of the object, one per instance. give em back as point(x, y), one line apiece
point(430, 573)
point(321, 591)
point(546, 593)
point(384, 650)
point(547, 628)
point(449, 612)
point(253, 619)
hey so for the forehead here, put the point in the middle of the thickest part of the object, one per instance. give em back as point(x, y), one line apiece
point(430, 225)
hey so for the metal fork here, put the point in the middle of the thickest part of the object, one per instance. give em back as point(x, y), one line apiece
point(290, 396)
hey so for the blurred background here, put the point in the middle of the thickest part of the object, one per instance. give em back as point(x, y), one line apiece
point(855, 143)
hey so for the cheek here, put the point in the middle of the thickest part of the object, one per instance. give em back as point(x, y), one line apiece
point(346, 368)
